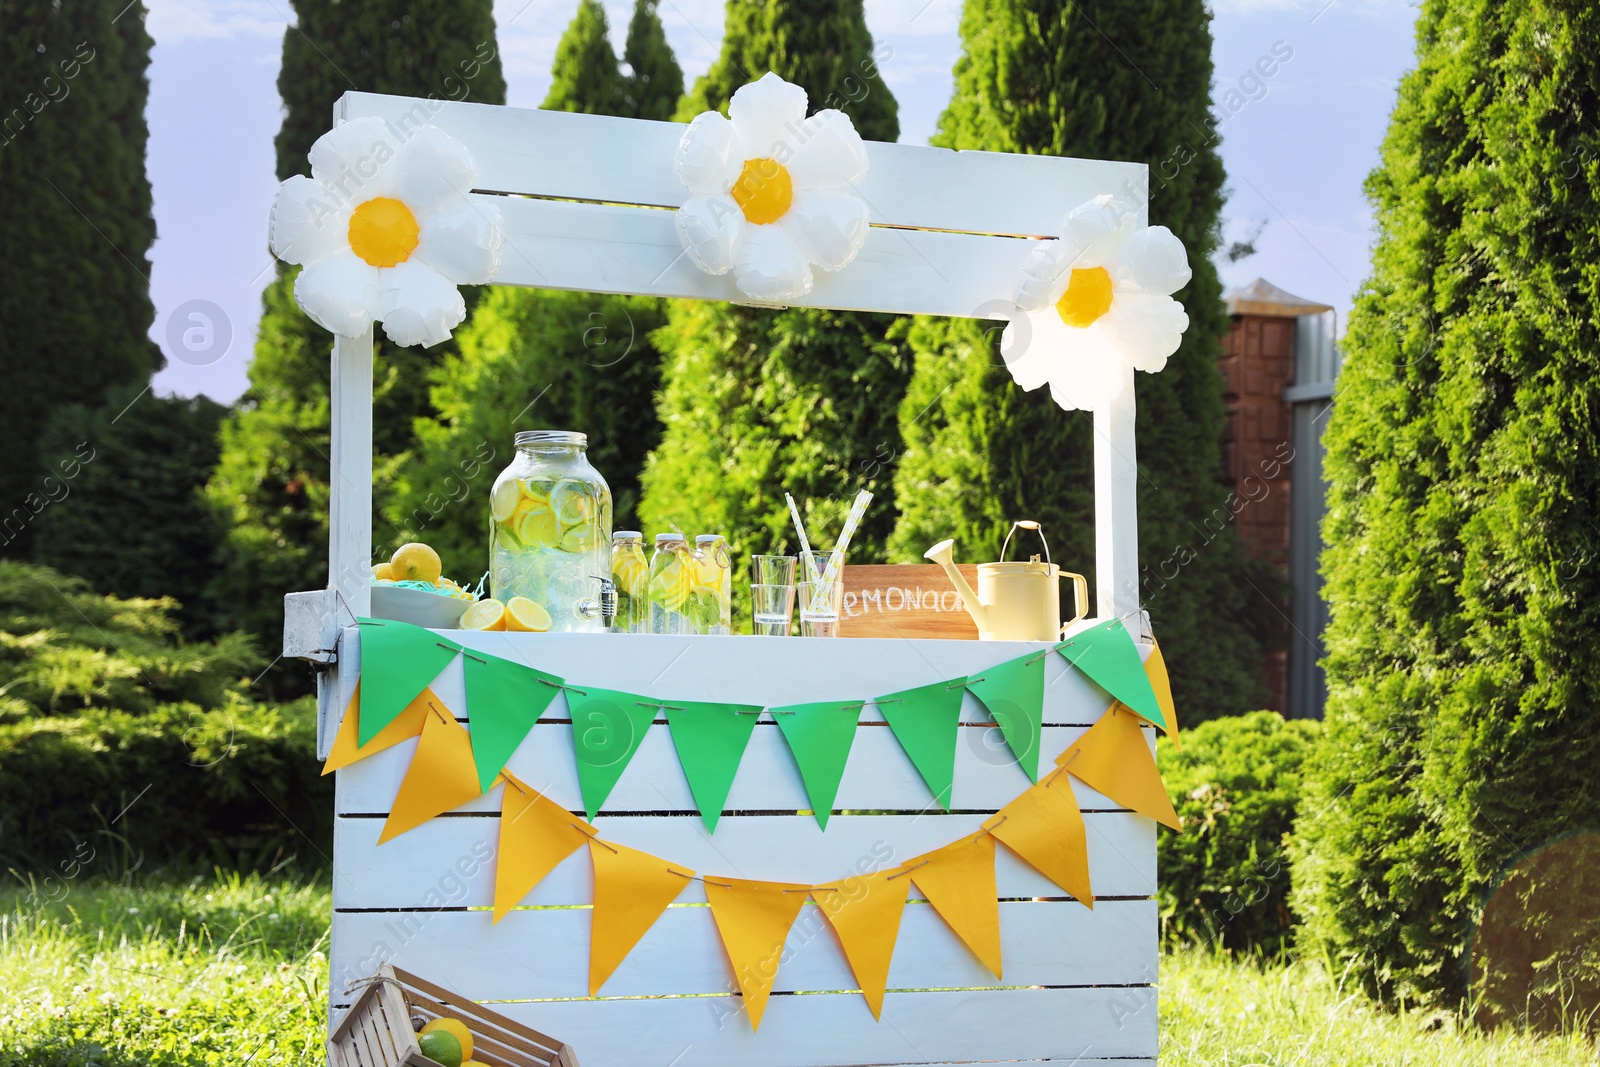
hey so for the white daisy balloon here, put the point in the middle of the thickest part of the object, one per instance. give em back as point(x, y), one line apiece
point(1095, 302)
point(771, 191)
point(385, 231)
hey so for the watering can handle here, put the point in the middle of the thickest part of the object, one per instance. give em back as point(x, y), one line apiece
point(1080, 599)
point(1026, 524)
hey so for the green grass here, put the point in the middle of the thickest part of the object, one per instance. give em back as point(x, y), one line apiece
point(231, 970)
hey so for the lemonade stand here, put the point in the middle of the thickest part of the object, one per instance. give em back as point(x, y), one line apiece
point(701, 847)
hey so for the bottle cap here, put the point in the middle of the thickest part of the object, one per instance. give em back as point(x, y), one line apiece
point(627, 535)
point(706, 539)
point(663, 538)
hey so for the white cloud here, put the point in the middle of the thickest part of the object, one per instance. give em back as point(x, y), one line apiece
point(177, 21)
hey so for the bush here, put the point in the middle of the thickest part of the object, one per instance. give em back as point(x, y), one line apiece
point(1225, 878)
point(236, 785)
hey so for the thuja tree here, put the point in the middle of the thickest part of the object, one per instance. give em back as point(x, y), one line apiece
point(754, 402)
point(272, 481)
point(531, 358)
point(1464, 462)
point(75, 227)
point(1071, 80)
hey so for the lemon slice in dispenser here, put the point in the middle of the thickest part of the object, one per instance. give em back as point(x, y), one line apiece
point(503, 500)
point(539, 529)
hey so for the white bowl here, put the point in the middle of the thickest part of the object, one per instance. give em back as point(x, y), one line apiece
point(418, 607)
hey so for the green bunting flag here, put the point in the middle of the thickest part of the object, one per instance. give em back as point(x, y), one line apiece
point(1013, 692)
point(607, 727)
point(925, 721)
point(397, 660)
point(1107, 655)
point(710, 739)
point(820, 736)
point(504, 700)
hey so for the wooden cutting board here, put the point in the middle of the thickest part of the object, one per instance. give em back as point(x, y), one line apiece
point(906, 600)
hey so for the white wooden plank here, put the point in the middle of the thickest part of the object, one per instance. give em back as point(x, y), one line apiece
point(879, 775)
point(450, 862)
point(538, 954)
point(1075, 1025)
point(630, 161)
point(350, 468)
point(608, 248)
point(1116, 505)
point(771, 671)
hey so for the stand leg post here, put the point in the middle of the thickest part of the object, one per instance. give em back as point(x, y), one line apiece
point(1116, 507)
point(350, 473)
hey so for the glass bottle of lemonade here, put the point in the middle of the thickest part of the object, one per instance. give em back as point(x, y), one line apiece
point(671, 582)
point(711, 602)
point(550, 529)
point(631, 574)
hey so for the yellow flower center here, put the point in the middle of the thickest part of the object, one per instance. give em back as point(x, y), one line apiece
point(1088, 296)
point(763, 191)
point(383, 231)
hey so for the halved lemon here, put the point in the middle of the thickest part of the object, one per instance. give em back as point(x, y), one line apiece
point(526, 615)
point(503, 500)
point(486, 614)
point(539, 529)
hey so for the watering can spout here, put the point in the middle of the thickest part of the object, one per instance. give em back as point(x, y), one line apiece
point(942, 554)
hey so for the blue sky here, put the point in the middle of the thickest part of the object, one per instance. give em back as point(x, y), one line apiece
point(1296, 145)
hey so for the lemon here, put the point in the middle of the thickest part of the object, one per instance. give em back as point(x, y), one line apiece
point(535, 492)
point(670, 587)
point(441, 1046)
point(630, 572)
point(458, 1030)
point(416, 562)
point(539, 529)
point(382, 573)
point(503, 500)
point(486, 614)
point(526, 615)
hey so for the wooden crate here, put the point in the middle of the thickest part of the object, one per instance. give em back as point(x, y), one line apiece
point(377, 1032)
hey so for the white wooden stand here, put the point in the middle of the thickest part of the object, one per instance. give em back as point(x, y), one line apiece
point(582, 198)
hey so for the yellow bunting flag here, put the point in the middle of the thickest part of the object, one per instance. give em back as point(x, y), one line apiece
point(754, 920)
point(1113, 757)
point(631, 890)
point(1045, 827)
point(536, 834)
point(958, 881)
point(1155, 668)
point(864, 911)
point(403, 727)
point(442, 776)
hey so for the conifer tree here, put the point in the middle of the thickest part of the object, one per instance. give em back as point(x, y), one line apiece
point(75, 230)
point(1463, 525)
point(585, 77)
point(1104, 79)
point(271, 484)
point(655, 81)
point(755, 402)
point(534, 358)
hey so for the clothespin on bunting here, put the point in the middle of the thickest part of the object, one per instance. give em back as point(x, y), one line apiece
point(754, 920)
point(397, 661)
point(959, 882)
point(820, 736)
point(504, 700)
point(1013, 692)
point(402, 727)
point(442, 776)
point(1107, 655)
point(1045, 827)
point(1113, 757)
point(631, 890)
point(926, 721)
point(536, 834)
point(607, 727)
point(710, 739)
point(865, 911)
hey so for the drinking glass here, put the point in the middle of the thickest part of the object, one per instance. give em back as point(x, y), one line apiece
point(771, 595)
point(821, 605)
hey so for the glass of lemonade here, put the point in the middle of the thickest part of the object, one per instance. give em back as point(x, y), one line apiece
point(550, 529)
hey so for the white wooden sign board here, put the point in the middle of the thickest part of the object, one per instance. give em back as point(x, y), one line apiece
point(587, 204)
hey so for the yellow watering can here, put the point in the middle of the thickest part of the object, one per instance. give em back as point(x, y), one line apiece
point(1015, 601)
